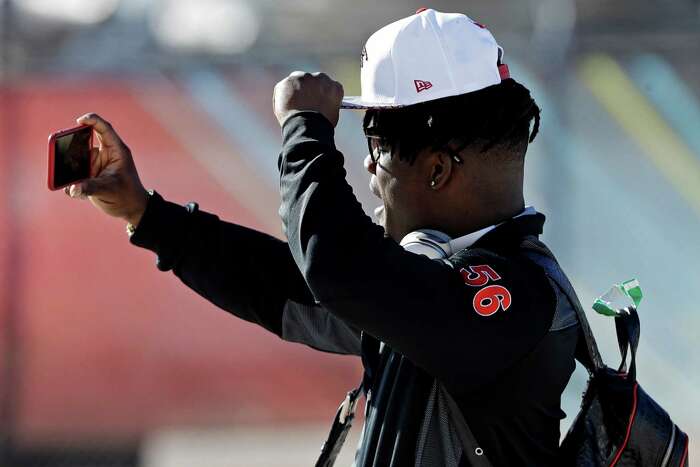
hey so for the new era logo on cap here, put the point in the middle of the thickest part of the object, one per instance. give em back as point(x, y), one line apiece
point(422, 85)
point(451, 53)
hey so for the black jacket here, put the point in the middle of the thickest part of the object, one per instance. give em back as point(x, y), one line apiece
point(488, 326)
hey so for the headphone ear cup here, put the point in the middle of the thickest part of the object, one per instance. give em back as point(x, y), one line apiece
point(433, 244)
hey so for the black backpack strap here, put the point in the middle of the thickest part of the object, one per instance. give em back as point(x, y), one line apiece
point(346, 412)
point(472, 451)
point(590, 356)
point(340, 429)
point(628, 330)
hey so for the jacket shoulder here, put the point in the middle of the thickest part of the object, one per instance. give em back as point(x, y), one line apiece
point(511, 278)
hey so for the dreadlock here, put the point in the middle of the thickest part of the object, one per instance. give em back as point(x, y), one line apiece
point(498, 116)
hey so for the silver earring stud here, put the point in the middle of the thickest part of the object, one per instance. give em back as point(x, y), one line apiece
point(433, 183)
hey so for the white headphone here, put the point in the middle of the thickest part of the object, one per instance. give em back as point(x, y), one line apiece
point(431, 243)
point(438, 245)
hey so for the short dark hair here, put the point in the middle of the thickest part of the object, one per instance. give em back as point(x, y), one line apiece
point(498, 116)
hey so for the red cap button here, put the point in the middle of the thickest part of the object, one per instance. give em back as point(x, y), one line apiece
point(421, 9)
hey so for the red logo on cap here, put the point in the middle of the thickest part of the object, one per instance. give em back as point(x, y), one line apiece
point(422, 85)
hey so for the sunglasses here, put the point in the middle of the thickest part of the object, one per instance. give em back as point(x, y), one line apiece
point(374, 146)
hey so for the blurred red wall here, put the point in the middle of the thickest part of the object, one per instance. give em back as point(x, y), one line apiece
point(109, 347)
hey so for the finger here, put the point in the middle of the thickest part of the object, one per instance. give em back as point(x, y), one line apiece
point(75, 191)
point(102, 127)
point(66, 190)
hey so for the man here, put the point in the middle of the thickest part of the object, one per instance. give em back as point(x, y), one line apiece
point(476, 330)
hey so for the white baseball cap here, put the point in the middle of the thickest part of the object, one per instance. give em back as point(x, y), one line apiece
point(427, 56)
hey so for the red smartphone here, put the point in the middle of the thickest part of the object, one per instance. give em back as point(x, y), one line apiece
point(69, 156)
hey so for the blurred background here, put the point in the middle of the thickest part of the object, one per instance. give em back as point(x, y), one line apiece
point(105, 361)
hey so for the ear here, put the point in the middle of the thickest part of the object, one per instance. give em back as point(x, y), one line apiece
point(440, 170)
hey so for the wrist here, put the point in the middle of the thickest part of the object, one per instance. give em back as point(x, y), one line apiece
point(308, 124)
point(133, 217)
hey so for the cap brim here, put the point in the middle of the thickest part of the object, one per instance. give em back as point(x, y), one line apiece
point(356, 103)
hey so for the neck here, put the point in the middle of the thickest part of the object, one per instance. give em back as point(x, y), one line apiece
point(471, 220)
point(493, 197)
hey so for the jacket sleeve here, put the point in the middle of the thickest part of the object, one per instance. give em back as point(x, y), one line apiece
point(247, 273)
point(463, 326)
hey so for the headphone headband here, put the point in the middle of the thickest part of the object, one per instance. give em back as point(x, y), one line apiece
point(431, 243)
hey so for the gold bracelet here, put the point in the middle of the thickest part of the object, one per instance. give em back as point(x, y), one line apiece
point(130, 228)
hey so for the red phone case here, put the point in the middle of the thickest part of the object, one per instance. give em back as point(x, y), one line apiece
point(52, 154)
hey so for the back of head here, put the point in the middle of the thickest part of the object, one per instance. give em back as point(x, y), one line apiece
point(434, 85)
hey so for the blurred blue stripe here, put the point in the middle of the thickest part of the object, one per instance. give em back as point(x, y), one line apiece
point(672, 97)
point(597, 175)
point(613, 217)
point(241, 124)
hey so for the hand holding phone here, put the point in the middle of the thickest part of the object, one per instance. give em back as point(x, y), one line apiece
point(113, 185)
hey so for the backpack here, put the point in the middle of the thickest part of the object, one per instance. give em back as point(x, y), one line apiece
point(619, 424)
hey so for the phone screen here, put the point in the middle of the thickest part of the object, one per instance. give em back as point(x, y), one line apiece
point(72, 157)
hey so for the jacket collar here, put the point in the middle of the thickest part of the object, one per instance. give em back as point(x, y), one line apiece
point(512, 231)
point(468, 240)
